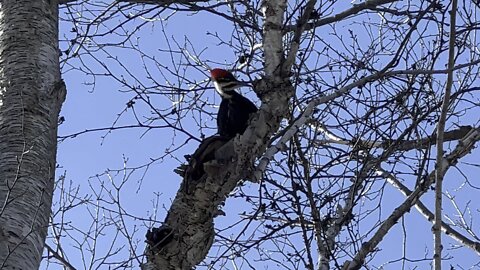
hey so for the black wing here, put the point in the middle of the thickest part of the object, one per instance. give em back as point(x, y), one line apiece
point(222, 118)
point(233, 115)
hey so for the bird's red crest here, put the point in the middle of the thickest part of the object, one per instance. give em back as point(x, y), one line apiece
point(221, 74)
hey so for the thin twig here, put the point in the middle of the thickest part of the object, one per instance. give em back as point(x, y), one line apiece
point(437, 257)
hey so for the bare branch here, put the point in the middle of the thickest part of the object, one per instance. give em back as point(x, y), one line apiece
point(446, 228)
point(463, 148)
point(59, 257)
point(357, 8)
point(437, 257)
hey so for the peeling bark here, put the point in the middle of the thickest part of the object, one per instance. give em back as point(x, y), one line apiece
point(31, 94)
point(191, 214)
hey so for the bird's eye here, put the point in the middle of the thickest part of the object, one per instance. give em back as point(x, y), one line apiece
point(223, 79)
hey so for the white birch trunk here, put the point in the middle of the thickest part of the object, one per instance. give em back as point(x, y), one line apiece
point(31, 94)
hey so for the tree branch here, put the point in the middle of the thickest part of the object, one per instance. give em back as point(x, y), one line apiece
point(295, 44)
point(402, 145)
point(273, 12)
point(463, 148)
point(151, 2)
point(437, 257)
point(60, 258)
point(369, 4)
point(447, 229)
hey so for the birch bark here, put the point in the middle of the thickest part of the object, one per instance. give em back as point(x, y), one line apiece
point(31, 94)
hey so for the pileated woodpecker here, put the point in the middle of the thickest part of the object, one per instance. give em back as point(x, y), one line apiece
point(235, 109)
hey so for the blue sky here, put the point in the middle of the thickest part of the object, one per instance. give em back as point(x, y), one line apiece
point(94, 160)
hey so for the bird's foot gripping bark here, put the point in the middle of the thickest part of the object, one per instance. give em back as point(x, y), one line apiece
point(156, 238)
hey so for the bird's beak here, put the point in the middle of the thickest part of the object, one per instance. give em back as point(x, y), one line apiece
point(242, 83)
